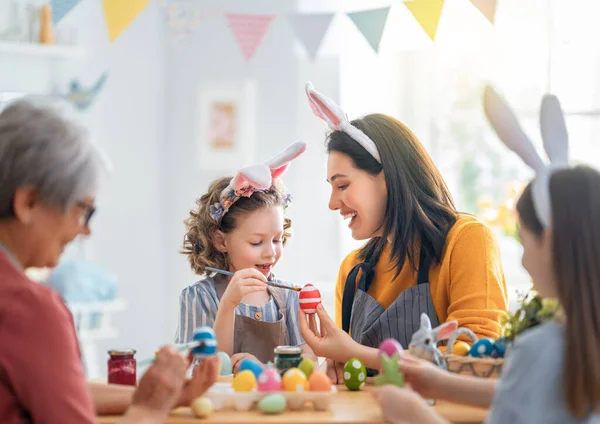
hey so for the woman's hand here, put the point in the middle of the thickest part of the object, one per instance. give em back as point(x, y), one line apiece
point(335, 371)
point(243, 282)
point(205, 374)
point(326, 340)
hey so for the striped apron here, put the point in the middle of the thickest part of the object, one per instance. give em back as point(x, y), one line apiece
point(259, 338)
point(369, 323)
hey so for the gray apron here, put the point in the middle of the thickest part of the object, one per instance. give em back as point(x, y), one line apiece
point(255, 336)
point(369, 323)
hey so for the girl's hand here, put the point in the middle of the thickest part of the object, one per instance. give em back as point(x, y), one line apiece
point(424, 377)
point(400, 405)
point(243, 282)
point(239, 357)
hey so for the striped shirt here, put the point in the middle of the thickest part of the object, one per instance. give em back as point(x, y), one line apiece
point(199, 303)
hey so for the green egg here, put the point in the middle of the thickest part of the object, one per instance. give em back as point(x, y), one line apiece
point(355, 374)
point(306, 366)
point(272, 404)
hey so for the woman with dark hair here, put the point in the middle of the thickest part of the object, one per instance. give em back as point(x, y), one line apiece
point(422, 255)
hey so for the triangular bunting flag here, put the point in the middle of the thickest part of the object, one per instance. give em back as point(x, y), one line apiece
point(60, 8)
point(310, 29)
point(427, 13)
point(486, 7)
point(371, 24)
point(120, 13)
point(249, 31)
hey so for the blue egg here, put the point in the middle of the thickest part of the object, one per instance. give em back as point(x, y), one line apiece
point(208, 342)
point(226, 368)
point(500, 347)
point(483, 347)
point(249, 364)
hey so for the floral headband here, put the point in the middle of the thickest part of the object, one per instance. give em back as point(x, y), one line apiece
point(334, 116)
point(257, 178)
point(556, 145)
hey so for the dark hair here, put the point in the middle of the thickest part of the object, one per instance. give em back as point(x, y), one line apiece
point(575, 197)
point(419, 205)
point(198, 242)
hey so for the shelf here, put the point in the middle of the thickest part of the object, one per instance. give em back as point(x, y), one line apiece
point(41, 50)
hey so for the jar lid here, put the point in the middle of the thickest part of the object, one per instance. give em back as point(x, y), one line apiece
point(121, 352)
point(288, 350)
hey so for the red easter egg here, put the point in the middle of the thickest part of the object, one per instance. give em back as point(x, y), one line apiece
point(310, 298)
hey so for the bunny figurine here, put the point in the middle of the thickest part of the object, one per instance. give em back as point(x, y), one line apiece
point(424, 342)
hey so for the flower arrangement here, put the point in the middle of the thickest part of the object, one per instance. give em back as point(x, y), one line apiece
point(532, 311)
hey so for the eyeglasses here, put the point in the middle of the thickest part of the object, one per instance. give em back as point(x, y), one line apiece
point(88, 211)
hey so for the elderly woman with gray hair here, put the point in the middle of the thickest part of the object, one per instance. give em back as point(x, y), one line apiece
point(49, 175)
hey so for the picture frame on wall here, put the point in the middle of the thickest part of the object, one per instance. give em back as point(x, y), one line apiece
point(226, 124)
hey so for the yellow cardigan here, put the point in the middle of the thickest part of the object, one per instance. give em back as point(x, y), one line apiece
point(468, 285)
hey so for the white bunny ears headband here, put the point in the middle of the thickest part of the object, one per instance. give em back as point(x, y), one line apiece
point(256, 178)
point(556, 144)
point(334, 116)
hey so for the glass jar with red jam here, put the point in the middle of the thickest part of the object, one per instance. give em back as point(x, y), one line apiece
point(122, 367)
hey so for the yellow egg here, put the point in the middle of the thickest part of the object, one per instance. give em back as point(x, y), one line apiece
point(319, 382)
point(294, 380)
point(244, 381)
point(461, 348)
point(201, 407)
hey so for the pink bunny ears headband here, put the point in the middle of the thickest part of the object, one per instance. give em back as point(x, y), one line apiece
point(334, 116)
point(256, 178)
point(556, 145)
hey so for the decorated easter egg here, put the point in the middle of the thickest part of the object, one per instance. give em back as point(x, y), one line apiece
point(310, 298)
point(251, 365)
point(461, 348)
point(207, 342)
point(355, 374)
point(500, 347)
point(272, 404)
point(225, 362)
point(294, 380)
point(306, 366)
point(269, 381)
point(482, 347)
point(244, 381)
point(319, 382)
point(389, 347)
point(202, 407)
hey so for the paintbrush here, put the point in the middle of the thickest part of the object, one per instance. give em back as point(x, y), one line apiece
point(270, 283)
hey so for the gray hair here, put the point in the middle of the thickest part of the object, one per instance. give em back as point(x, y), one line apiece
point(42, 143)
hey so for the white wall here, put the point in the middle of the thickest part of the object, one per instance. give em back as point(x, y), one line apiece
point(127, 119)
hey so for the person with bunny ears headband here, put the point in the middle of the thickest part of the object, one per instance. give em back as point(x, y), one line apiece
point(551, 373)
point(239, 226)
point(422, 255)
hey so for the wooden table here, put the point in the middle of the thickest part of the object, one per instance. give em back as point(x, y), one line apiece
point(346, 408)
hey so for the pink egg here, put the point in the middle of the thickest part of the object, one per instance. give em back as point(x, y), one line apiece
point(310, 298)
point(269, 381)
point(390, 346)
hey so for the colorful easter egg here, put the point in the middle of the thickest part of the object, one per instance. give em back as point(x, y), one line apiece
point(461, 348)
point(272, 404)
point(306, 366)
point(244, 381)
point(269, 381)
point(482, 347)
point(310, 298)
point(355, 374)
point(207, 342)
point(500, 346)
point(251, 365)
point(389, 347)
point(225, 362)
point(294, 380)
point(319, 382)
point(202, 407)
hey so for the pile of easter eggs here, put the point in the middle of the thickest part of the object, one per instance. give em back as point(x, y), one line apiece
point(482, 348)
point(253, 377)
